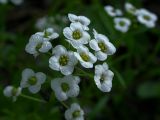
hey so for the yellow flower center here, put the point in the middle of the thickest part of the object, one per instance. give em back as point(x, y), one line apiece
point(39, 45)
point(14, 91)
point(102, 46)
point(76, 34)
point(63, 60)
point(32, 80)
point(146, 17)
point(76, 114)
point(85, 57)
point(122, 23)
point(65, 87)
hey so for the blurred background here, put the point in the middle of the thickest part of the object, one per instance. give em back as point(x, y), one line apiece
point(136, 86)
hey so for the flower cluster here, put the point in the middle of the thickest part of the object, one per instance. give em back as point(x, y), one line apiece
point(133, 14)
point(88, 52)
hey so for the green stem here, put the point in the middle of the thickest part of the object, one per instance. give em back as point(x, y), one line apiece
point(84, 73)
point(32, 98)
point(66, 106)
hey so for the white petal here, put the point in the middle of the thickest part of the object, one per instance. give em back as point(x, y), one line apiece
point(67, 70)
point(46, 46)
point(84, 20)
point(8, 91)
point(76, 26)
point(59, 50)
point(72, 17)
point(34, 89)
point(93, 59)
point(67, 33)
point(54, 64)
point(93, 44)
point(87, 64)
point(41, 77)
point(101, 56)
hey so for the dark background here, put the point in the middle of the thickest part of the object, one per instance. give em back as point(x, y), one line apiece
point(136, 64)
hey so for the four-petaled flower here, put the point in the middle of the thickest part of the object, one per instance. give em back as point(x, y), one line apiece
point(130, 9)
point(147, 18)
point(86, 58)
point(122, 24)
point(76, 35)
point(32, 80)
point(102, 46)
point(62, 60)
point(48, 34)
point(103, 77)
point(65, 87)
point(38, 44)
point(82, 19)
point(74, 112)
point(112, 12)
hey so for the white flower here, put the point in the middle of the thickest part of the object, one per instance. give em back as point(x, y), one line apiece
point(65, 87)
point(37, 44)
point(74, 112)
point(13, 92)
point(86, 58)
point(122, 24)
point(3, 1)
point(130, 9)
point(48, 34)
point(62, 60)
point(147, 18)
point(32, 80)
point(17, 2)
point(76, 35)
point(82, 19)
point(103, 77)
point(112, 12)
point(102, 46)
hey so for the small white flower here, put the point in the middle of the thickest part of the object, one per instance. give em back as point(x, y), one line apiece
point(37, 44)
point(65, 87)
point(62, 60)
point(130, 9)
point(113, 12)
point(17, 2)
point(122, 24)
point(86, 58)
point(76, 35)
point(147, 18)
point(82, 19)
point(3, 1)
point(48, 34)
point(102, 46)
point(13, 92)
point(74, 112)
point(32, 80)
point(103, 77)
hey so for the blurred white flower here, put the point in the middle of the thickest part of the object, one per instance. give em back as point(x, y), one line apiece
point(82, 19)
point(11, 91)
point(62, 60)
point(37, 44)
point(76, 35)
point(32, 80)
point(48, 34)
point(130, 9)
point(74, 112)
point(147, 18)
point(3, 1)
point(65, 87)
point(113, 12)
point(17, 2)
point(103, 77)
point(102, 46)
point(86, 58)
point(122, 24)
